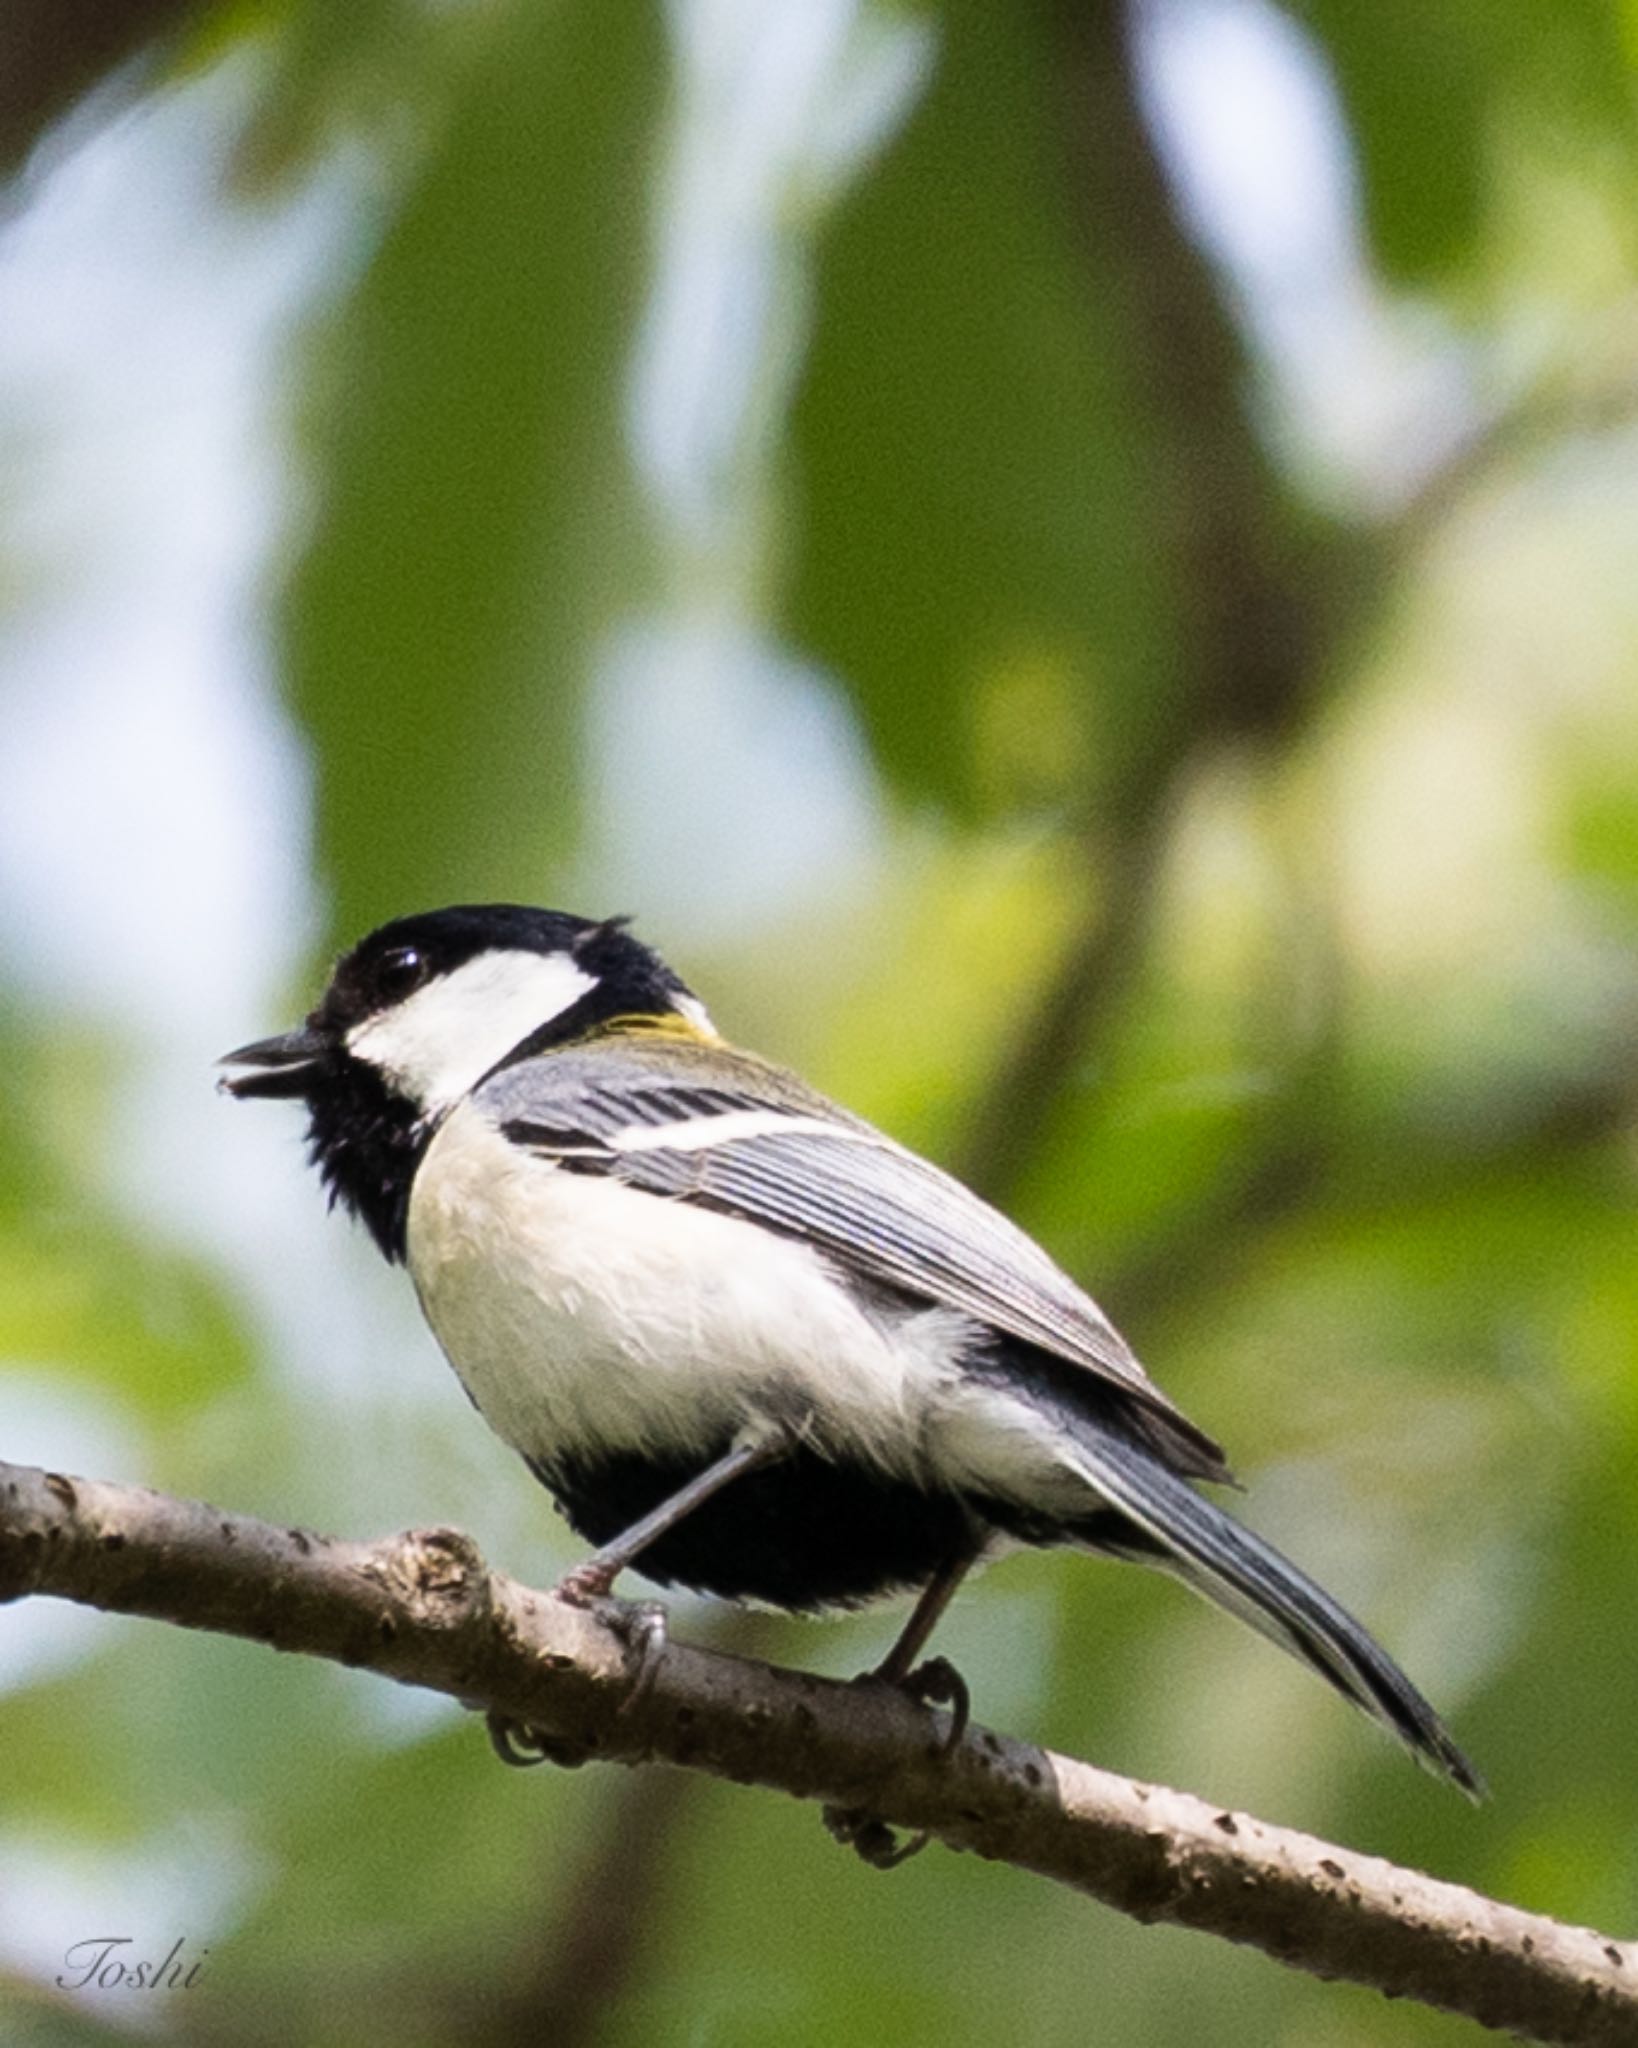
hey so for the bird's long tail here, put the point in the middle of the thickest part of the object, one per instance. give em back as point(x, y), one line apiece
point(1220, 1558)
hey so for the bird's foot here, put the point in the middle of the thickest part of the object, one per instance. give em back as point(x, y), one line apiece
point(641, 1626)
point(584, 1585)
point(644, 1627)
point(522, 1745)
point(935, 1683)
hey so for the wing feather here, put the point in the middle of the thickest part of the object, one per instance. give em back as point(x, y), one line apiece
point(790, 1160)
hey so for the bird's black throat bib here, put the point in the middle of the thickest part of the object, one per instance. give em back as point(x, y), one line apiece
point(367, 1142)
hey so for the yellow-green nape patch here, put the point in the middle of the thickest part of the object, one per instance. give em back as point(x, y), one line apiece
point(694, 1029)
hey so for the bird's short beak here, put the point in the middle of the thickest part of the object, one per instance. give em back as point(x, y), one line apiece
point(282, 1066)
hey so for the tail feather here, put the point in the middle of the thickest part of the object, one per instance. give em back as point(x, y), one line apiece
point(1222, 1559)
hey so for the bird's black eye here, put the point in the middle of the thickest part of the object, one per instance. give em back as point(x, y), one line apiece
point(399, 973)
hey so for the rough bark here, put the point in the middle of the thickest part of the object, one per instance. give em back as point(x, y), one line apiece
point(424, 1609)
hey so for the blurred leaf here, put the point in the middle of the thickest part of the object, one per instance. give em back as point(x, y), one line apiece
point(957, 940)
point(82, 1295)
point(966, 455)
point(1426, 90)
point(476, 524)
point(355, 1844)
point(1598, 832)
point(373, 65)
point(81, 1290)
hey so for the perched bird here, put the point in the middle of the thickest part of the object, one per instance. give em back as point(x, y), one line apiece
point(749, 1343)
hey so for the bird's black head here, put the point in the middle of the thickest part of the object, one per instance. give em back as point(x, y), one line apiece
point(418, 1013)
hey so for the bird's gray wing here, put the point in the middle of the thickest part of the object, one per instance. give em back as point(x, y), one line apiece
point(753, 1141)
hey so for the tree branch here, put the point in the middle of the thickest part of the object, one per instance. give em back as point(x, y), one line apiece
point(423, 1609)
point(1260, 593)
point(1075, 1007)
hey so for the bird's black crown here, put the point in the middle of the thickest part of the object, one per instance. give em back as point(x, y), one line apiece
point(397, 958)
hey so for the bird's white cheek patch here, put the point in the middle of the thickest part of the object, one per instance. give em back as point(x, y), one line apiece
point(442, 1040)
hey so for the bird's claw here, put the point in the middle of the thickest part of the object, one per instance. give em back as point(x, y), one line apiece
point(522, 1745)
point(871, 1839)
point(641, 1626)
point(935, 1683)
point(644, 1627)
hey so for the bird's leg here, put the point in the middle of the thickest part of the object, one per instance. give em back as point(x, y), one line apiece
point(935, 1682)
point(924, 1616)
point(592, 1579)
point(642, 1625)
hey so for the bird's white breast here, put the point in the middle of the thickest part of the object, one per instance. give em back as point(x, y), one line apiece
point(583, 1314)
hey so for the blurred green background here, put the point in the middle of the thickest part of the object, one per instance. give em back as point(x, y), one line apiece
point(1077, 568)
